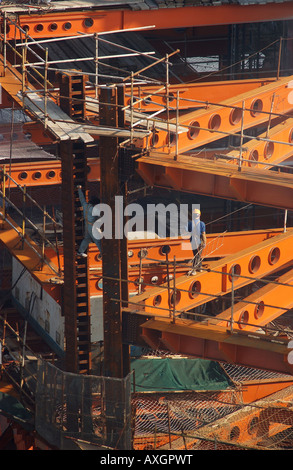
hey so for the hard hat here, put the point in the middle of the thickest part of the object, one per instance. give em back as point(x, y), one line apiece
point(196, 211)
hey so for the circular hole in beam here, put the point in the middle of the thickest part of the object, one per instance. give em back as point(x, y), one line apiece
point(235, 116)
point(164, 250)
point(37, 175)
point(193, 130)
point(39, 27)
point(99, 284)
point(157, 300)
point(177, 298)
point(171, 138)
point(256, 107)
point(253, 158)
point(214, 122)
point(254, 264)
point(67, 26)
point(259, 309)
point(269, 149)
point(53, 26)
point(154, 139)
point(237, 271)
point(51, 174)
point(253, 425)
point(194, 289)
point(235, 433)
point(243, 318)
point(22, 175)
point(88, 22)
point(274, 255)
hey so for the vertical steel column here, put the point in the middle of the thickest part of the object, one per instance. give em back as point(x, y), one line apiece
point(113, 366)
point(69, 290)
point(116, 355)
point(76, 298)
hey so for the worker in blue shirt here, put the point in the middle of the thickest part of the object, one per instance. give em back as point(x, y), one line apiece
point(197, 230)
point(89, 221)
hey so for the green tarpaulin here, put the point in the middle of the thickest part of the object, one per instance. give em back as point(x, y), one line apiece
point(12, 408)
point(173, 374)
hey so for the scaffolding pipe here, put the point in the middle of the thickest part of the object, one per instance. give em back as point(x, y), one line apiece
point(84, 35)
point(83, 59)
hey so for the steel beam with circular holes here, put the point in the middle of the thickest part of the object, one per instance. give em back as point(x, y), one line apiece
point(214, 122)
point(191, 291)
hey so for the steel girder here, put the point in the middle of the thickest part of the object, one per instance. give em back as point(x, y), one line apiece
point(270, 148)
point(215, 179)
point(57, 23)
point(216, 343)
point(249, 314)
point(191, 291)
point(215, 121)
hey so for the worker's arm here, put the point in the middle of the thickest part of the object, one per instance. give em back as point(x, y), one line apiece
point(204, 240)
point(81, 197)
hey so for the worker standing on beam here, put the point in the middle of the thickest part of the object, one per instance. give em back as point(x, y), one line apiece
point(89, 221)
point(197, 229)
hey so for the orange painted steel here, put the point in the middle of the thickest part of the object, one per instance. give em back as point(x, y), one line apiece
point(215, 343)
point(192, 291)
point(223, 180)
point(261, 307)
point(28, 258)
point(255, 426)
point(44, 173)
point(151, 98)
point(217, 121)
point(273, 149)
point(56, 24)
point(218, 245)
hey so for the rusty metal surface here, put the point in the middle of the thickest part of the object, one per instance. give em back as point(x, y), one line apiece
point(75, 294)
point(199, 176)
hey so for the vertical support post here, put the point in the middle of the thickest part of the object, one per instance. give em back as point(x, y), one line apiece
point(46, 89)
point(279, 58)
point(177, 124)
point(69, 292)
point(131, 110)
point(232, 299)
point(111, 247)
point(285, 220)
point(23, 215)
point(114, 353)
point(4, 195)
point(167, 99)
point(241, 138)
point(174, 290)
point(96, 65)
point(44, 231)
point(270, 115)
point(5, 42)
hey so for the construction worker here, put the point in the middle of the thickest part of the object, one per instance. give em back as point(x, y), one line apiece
point(197, 229)
point(89, 221)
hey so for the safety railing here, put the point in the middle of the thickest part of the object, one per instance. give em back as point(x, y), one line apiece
point(6, 201)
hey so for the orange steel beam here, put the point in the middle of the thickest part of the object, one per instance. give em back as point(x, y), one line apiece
point(223, 180)
point(45, 173)
point(217, 121)
point(254, 426)
point(211, 342)
point(273, 149)
point(151, 98)
point(218, 245)
point(191, 291)
point(56, 24)
point(261, 307)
